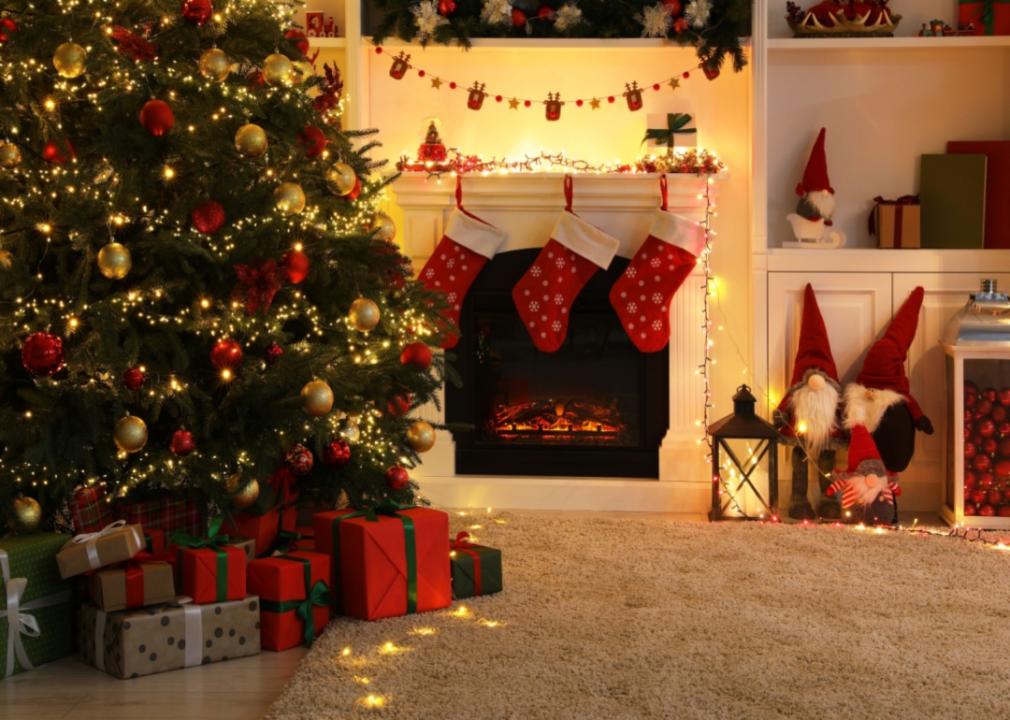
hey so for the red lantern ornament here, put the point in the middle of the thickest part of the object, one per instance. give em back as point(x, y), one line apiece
point(476, 95)
point(633, 94)
point(416, 355)
point(300, 460)
point(208, 217)
point(313, 140)
point(295, 265)
point(553, 105)
point(42, 354)
point(518, 18)
point(226, 354)
point(157, 117)
point(397, 478)
point(446, 7)
point(58, 152)
point(134, 378)
point(273, 353)
point(337, 453)
point(297, 39)
point(400, 405)
point(182, 443)
point(197, 11)
point(7, 28)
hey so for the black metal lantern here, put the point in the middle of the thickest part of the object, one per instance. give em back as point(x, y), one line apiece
point(745, 440)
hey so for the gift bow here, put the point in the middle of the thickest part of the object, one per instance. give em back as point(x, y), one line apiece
point(317, 595)
point(675, 124)
point(462, 544)
point(90, 540)
point(19, 621)
point(93, 536)
point(258, 285)
point(462, 541)
point(212, 541)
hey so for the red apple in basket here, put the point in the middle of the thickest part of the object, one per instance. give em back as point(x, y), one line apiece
point(970, 401)
point(995, 497)
point(990, 446)
point(969, 449)
point(1001, 469)
point(982, 409)
point(978, 496)
point(1004, 511)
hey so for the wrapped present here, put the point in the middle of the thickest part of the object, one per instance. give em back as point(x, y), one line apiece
point(248, 546)
point(294, 594)
point(154, 541)
point(673, 131)
point(897, 223)
point(90, 509)
point(264, 529)
point(210, 568)
point(115, 543)
point(386, 561)
point(138, 583)
point(476, 569)
point(168, 513)
point(36, 611)
point(987, 17)
point(302, 538)
point(132, 643)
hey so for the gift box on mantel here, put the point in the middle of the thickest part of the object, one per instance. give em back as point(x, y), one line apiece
point(115, 543)
point(132, 643)
point(138, 583)
point(476, 569)
point(36, 611)
point(989, 17)
point(294, 593)
point(897, 223)
point(210, 569)
point(387, 561)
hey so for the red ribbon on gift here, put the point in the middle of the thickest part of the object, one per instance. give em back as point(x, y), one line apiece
point(133, 574)
point(462, 544)
point(900, 203)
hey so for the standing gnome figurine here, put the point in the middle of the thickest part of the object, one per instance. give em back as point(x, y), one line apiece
point(811, 222)
point(807, 417)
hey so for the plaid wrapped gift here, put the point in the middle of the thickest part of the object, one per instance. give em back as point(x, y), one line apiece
point(90, 510)
point(171, 514)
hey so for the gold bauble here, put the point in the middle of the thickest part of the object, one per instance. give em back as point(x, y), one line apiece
point(215, 64)
point(10, 154)
point(130, 434)
point(301, 71)
point(27, 514)
point(114, 261)
point(243, 494)
point(384, 227)
point(251, 140)
point(421, 436)
point(317, 398)
point(6, 259)
point(341, 179)
point(69, 60)
point(289, 198)
point(277, 69)
point(364, 314)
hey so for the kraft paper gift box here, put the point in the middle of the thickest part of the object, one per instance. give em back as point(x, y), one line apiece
point(33, 594)
point(386, 562)
point(116, 543)
point(294, 593)
point(476, 569)
point(132, 643)
point(897, 223)
point(135, 584)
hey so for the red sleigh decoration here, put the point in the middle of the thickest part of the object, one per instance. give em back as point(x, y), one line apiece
point(400, 66)
point(475, 100)
point(633, 94)
point(553, 104)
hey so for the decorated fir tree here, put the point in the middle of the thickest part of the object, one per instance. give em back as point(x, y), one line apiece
point(196, 288)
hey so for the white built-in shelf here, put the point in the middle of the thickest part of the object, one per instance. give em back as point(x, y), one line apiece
point(555, 43)
point(866, 260)
point(890, 43)
point(327, 42)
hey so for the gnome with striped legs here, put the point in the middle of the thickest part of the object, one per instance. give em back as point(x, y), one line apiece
point(866, 489)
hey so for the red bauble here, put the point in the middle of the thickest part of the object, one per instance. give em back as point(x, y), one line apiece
point(399, 405)
point(679, 25)
point(157, 117)
point(978, 496)
point(356, 190)
point(983, 407)
point(337, 453)
point(518, 18)
point(182, 443)
point(208, 217)
point(300, 460)
point(1001, 469)
point(58, 152)
point(1003, 511)
point(7, 28)
point(970, 388)
point(986, 427)
point(985, 481)
point(995, 497)
point(197, 11)
point(674, 5)
point(970, 479)
point(297, 38)
point(1004, 447)
point(313, 140)
point(986, 511)
point(273, 353)
point(968, 430)
point(989, 446)
point(969, 449)
point(446, 7)
point(990, 394)
point(981, 462)
point(397, 478)
point(1003, 430)
point(969, 510)
point(226, 354)
point(970, 400)
point(998, 414)
point(416, 355)
point(134, 378)
point(545, 12)
point(42, 354)
point(295, 265)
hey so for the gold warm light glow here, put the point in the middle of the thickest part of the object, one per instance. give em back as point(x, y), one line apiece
point(801, 427)
point(462, 612)
point(424, 631)
point(373, 702)
point(391, 648)
point(346, 651)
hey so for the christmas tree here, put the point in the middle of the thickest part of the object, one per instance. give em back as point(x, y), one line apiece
point(196, 287)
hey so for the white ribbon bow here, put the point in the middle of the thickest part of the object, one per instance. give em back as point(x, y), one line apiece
point(19, 622)
point(90, 541)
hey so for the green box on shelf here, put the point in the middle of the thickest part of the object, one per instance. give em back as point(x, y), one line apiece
point(476, 569)
point(28, 573)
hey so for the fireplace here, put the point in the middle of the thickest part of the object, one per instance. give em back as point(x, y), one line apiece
point(596, 407)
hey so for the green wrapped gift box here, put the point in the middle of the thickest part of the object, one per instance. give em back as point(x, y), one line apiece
point(476, 569)
point(36, 613)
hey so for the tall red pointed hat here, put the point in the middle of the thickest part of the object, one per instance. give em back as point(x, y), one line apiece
point(884, 367)
point(815, 177)
point(862, 448)
point(814, 351)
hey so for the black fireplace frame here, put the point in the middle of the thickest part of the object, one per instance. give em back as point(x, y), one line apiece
point(492, 292)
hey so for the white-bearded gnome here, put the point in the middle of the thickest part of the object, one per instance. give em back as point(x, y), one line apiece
point(866, 489)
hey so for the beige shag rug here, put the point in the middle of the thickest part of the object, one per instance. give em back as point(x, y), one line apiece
point(653, 618)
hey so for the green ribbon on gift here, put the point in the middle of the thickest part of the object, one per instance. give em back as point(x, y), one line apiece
point(371, 513)
point(675, 125)
point(315, 596)
point(215, 541)
point(988, 17)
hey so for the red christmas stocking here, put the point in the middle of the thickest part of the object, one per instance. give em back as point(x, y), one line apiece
point(544, 295)
point(641, 296)
point(463, 251)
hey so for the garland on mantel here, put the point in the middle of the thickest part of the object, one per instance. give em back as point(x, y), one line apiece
point(714, 27)
point(691, 161)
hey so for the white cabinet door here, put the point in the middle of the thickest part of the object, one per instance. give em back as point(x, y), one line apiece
point(946, 293)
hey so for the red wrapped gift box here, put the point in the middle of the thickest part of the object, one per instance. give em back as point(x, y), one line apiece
point(291, 588)
point(211, 575)
point(990, 17)
point(386, 563)
point(263, 529)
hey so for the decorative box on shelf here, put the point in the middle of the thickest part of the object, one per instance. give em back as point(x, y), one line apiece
point(977, 344)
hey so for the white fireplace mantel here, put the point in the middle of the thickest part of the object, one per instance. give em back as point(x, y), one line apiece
point(526, 206)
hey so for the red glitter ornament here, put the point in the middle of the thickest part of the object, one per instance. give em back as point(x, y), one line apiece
point(416, 355)
point(313, 140)
point(446, 7)
point(300, 460)
point(182, 443)
point(42, 354)
point(7, 28)
point(273, 353)
point(337, 453)
point(197, 11)
point(134, 378)
point(58, 152)
point(295, 265)
point(208, 217)
point(400, 405)
point(157, 117)
point(397, 478)
point(297, 38)
point(518, 18)
point(226, 354)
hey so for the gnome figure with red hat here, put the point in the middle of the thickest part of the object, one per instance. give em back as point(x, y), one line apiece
point(807, 417)
point(811, 223)
point(879, 398)
point(866, 489)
